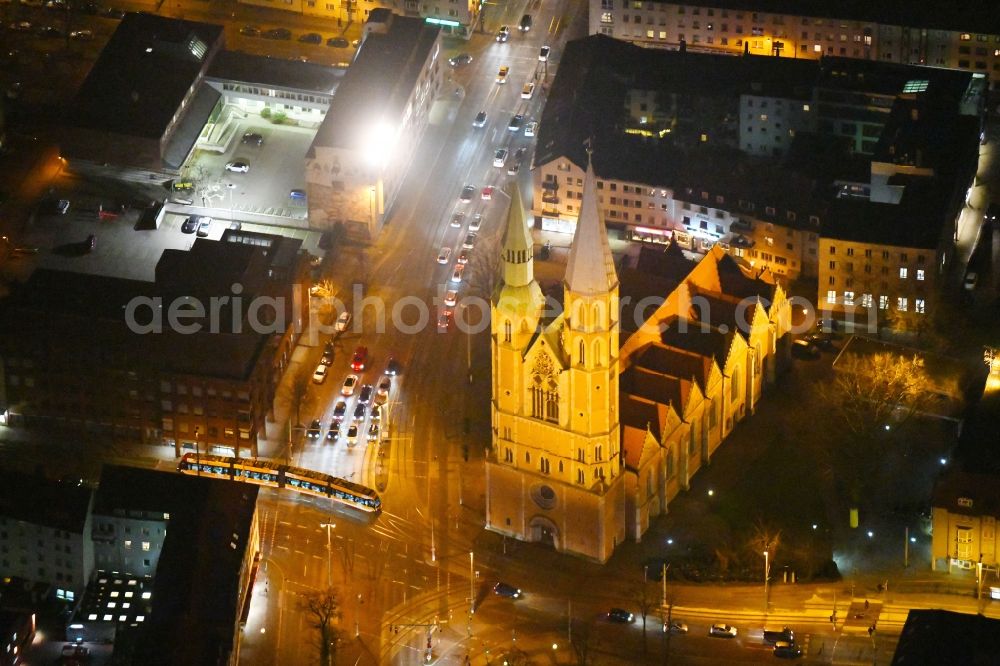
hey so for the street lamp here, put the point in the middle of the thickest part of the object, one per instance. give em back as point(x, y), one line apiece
point(232, 215)
point(329, 554)
point(767, 575)
point(197, 447)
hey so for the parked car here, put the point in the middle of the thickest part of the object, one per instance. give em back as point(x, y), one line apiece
point(319, 375)
point(722, 630)
point(676, 627)
point(254, 138)
point(531, 128)
point(204, 227)
point(505, 590)
point(343, 321)
point(250, 31)
point(278, 33)
point(621, 616)
point(82, 35)
point(311, 38)
point(543, 54)
point(190, 225)
point(238, 166)
point(338, 42)
point(803, 349)
point(298, 195)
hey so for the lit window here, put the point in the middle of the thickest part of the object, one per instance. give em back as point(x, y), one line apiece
point(107, 618)
point(901, 304)
point(112, 604)
point(817, 48)
point(140, 618)
point(145, 545)
point(920, 274)
point(965, 37)
point(848, 298)
point(763, 117)
point(92, 616)
point(128, 544)
point(866, 300)
point(831, 296)
point(918, 306)
point(114, 594)
point(902, 273)
point(606, 17)
point(147, 595)
point(128, 595)
point(805, 107)
point(883, 302)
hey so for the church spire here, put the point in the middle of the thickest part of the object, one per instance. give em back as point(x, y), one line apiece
point(518, 246)
point(591, 268)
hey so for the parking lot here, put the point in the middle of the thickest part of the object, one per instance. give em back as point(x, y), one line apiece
point(276, 167)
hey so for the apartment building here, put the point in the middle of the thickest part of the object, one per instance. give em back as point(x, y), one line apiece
point(362, 150)
point(965, 508)
point(965, 36)
point(208, 383)
point(45, 533)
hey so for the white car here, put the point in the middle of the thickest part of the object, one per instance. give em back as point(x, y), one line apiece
point(456, 275)
point(971, 280)
point(502, 74)
point(477, 222)
point(528, 90)
point(500, 158)
point(457, 220)
point(451, 298)
point(349, 385)
point(543, 54)
point(531, 128)
point(722, 630)
point(343, 321)
point(319, 375)
point(444, 255)
point(238, 166)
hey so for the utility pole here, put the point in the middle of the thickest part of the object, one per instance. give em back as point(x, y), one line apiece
point(197, 448)
point(906, 548)
point(329, 556)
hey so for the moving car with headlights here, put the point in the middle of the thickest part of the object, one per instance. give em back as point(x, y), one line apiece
point(451, 298)
point(333, 434)
point(505, 590)
point(460, 59)
point(621, 616)
point(352, 435)
point(500, 158)
point(528, 90)
point(525, 24)
point(477, 222)
point(382, 393)
point(360, 411)
point(470, 241)
point(339, 411)
point(359, 359)
point(456, 275)
point(722, 630)
point(480, 120)
point(366, 394)
point(373, 431)
point(350, 383)
point(503, 34)
point(314, 429)
point(502, 74)
point(487, 194)
point(675, 627)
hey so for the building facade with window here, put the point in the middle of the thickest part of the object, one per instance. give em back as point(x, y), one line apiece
point(45, 533)
point(964, 37)
point(965, 509)
point(364, 147)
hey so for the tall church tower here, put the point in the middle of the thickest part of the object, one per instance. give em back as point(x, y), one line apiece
point(555, 472)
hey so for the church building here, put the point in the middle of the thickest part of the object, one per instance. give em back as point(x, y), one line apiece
point(602, 412)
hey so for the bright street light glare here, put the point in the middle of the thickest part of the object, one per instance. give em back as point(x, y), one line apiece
point(380, 139)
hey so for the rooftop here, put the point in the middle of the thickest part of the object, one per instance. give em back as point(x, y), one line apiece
point(378, 84)
point(37, 500)
point(277, 72)
point(947, 637)
point(147, 67)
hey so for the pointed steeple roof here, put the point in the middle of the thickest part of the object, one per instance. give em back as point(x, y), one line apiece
point(591, 268)
point(518, 246)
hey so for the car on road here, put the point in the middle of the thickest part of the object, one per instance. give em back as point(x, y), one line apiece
point(352, 435)
point(277, 33)
point(528, 90)
point(343, 321)
point(675, 627)
point(339, 410)
point(298, 195)
point(314, 429)
point(366, 394)
point(359, 359)
point(463, 257)
point(470, 241)
point(50, 31)
point(621, 616)
point(487, 194)
point(238, 166)
point(805, 350)
point(327, 358)
point(525, 24)
point(467, 193)
point(333, 432)
point(360, 411)
point(250, 31)
point(204, 227)
point(722, 630)
point(480, 120)
point(392, 367)
point(971, 280)
point(382, 393)
point(531, 128)
point(776, 634)
point(515, 122)
point(254, 138)
point(376, 413)
point(190, 225)
point(444, 255)
point(90, 243)
point(822, 341)
point(503, 34)
point(500, 158)
point(502, 74)
point(373, 431)
point(514, 167)
point(338, 42)
point(457, 220)
point(477, 222)
point(82, 35)
point(786, 650)
point(319, 375)
point(451, 298)
point(20, 26)
point(444, 321)
point(311, 38)
point(543, 54)
point(460, 60)
point(456, 275)
point(350, 383)
point(505, 590)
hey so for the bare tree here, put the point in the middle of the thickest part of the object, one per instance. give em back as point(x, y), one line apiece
point(347, 550)
point(482, 273)
point(764, 538)
point(298, 390)
point(321, 608)
point(874, 398)
point(646, 598)
point(580, 640)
